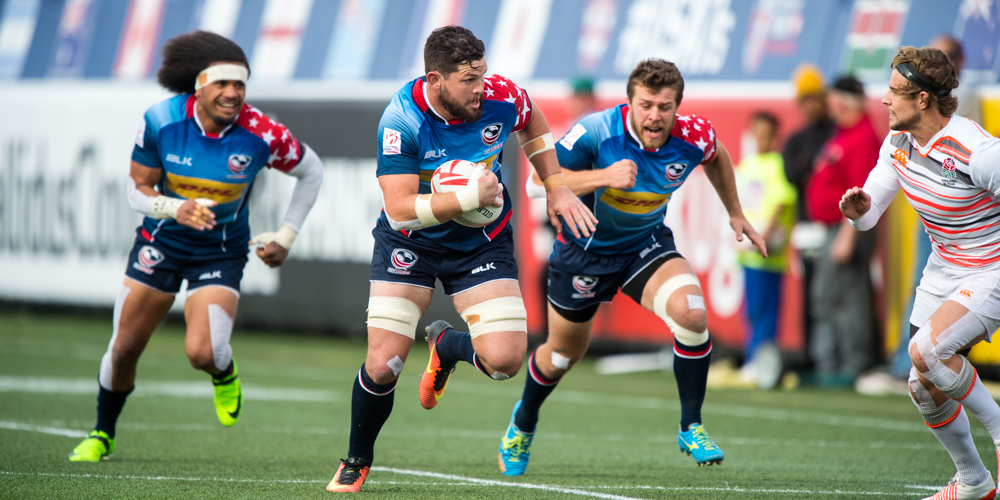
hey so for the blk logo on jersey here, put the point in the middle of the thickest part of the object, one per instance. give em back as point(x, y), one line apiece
point(675, 171)
point(402, 260)
point(491, 133)
point(148, 258)
point(186, 161)
point(238, 163)
point(584, 285)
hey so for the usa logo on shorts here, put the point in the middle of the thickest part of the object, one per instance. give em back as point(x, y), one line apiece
point(149, 256)
point(403, 258)
point(239, 163)
point(584, 284)
point(491, 133)
point(675, 171)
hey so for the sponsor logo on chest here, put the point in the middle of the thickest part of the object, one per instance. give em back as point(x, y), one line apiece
point(196, 187)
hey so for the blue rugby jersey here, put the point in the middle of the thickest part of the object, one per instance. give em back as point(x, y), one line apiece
point(414, 139)
point(628, 218)
point(199, 165)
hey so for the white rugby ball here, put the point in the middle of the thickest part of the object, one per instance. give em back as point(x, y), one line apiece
point(453, 176)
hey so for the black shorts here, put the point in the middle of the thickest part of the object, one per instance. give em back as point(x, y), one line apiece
point(579, 279)
point(410, 261)
point(163, 269)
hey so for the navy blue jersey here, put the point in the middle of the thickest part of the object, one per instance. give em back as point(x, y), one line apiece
point(220, 168)
point(414, 139)
point(629, 217)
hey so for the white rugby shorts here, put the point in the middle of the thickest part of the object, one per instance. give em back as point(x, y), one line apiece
point(974, 288)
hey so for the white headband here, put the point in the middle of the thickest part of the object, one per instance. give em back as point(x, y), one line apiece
point(221, 72)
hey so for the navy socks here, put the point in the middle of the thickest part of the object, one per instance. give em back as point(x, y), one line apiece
point(691, 371)
point(109, 406)
point(371, 405)
point(536, 388)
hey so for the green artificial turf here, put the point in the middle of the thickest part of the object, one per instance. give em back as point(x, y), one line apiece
point(599, 436)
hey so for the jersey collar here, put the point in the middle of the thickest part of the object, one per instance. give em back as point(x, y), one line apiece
point(423, 103)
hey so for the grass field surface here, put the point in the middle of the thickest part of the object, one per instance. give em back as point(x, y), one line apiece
point(599, 436)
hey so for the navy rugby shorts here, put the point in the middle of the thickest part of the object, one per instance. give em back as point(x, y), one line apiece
point(410, 261)
point(579, 279)
point(162, 268)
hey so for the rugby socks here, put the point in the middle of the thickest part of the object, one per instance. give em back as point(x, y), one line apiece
point(537, 387)
point(454, 346)
point(956, 438)
point(981, 405)
point(371, 405)
point(109, 406)
point(691, 371)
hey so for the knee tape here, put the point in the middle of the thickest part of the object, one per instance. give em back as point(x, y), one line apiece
point(504, 314)
point(949, 341)
point(681, 334)
point(559, 361)
point(934, 416)
point(395, 314)
point(220, 328)
point(104, 377)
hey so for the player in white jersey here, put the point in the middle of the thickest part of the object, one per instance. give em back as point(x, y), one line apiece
point(947, 167)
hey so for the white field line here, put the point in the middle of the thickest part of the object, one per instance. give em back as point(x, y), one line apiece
point(469, 481)
point(199, 390)
point(17, 426)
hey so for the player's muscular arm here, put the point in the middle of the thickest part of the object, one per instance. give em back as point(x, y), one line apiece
point(146, 200)
point(400, 193)
point(537, 143)
point(720, 174)
point(619, 175)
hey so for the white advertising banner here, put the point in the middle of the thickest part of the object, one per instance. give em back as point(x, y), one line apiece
point(65, 224)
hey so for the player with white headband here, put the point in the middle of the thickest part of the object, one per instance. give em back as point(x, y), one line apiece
point(194, 162)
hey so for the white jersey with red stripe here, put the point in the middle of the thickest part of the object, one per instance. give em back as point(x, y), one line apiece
point(953, 182)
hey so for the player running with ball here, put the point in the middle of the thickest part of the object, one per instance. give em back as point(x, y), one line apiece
point(625, 162)
point(949, 169)
point(193, 165)
point(453, 112)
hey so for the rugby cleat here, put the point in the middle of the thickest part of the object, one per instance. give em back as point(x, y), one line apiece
point(958, 491)
point(349, 477)
point(513, 456)
point(696, 443)
point(94, 448)
point(228, 397)
point(434, 380)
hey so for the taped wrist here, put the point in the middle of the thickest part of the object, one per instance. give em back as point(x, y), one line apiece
point(468, 198)
point(554, 181)
point(165, 207)
point(424, 212)
point(538, 145)
point(284, 237)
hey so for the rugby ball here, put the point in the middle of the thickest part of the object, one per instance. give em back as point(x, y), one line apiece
point(453, 176)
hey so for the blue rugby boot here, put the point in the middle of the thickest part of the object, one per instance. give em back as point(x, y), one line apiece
point(696, 443)
point(513, 456)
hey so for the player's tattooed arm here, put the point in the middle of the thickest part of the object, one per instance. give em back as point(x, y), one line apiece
point(144, 198)
point(560, 200)
point(720, 174)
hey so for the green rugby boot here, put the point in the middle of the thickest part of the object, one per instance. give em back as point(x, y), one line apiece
point(228, 397)
point(94, 448)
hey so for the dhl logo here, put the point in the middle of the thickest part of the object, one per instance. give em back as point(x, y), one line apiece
point(901, 156)
point(194, 187)
point(425, 175)
point(634, 202)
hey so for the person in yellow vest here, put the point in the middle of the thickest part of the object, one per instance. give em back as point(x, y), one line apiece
point(768, 200)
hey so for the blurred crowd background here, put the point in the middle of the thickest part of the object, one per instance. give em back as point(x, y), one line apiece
point(793, 88)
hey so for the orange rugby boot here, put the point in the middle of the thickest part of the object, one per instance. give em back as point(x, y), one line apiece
point(434, 379)
point(349, 477)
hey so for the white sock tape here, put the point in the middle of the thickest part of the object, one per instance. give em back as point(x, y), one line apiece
point(220, 327)
point(106, 374)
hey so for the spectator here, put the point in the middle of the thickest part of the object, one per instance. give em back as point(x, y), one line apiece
point(799, 155)
point(841, 294)
point(969, 104)
point(583, 101)
point(769, 203)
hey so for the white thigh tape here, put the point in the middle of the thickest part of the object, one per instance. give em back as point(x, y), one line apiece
point(395, 314)
point(503, 314)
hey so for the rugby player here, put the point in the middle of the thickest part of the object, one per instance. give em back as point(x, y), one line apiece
point(193, 165)
point(946, 166)
point(625, 162)
point(453, 112)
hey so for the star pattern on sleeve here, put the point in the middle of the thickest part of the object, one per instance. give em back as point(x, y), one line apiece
point(698, 132)
point(499, 88)
point(284, 150)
